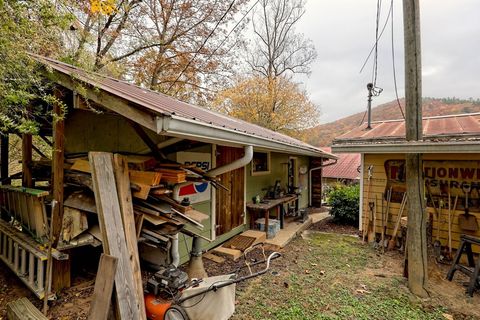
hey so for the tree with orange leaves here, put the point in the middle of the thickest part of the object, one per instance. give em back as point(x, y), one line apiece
point(250, 99)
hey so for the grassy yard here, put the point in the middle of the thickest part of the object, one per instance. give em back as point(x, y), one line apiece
point(331, 276)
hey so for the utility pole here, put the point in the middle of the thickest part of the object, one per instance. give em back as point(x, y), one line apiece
point(417, 230)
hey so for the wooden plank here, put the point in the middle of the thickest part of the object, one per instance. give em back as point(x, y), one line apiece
point(111, 225)
point(74, 223)
point(141, 163)
point(149, 178)
point(174, 204)
point(156, 221)
point(230, 253)
point(82, 201)
point(197, 215)
point(259, 236)
point(102, 292)
point(143, 191)
point(214, 258)
point(95, 232)
point(138, 223)
point(23, 309)
point(81, 165)
point(122, 178)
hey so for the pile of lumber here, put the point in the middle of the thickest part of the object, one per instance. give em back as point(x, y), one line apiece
point(157, 216)
point(173, 176)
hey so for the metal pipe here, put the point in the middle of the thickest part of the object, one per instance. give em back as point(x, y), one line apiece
point(243, 161)
point(310, 179)
point(369, 108)
point(174, 251)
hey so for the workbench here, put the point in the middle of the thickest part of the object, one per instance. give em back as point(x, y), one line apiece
point(268, 204)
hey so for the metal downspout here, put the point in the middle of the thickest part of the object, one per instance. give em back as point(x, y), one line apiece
point(243, 161)
point(310, 179)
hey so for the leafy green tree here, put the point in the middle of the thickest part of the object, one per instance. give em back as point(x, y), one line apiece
point(26, 26)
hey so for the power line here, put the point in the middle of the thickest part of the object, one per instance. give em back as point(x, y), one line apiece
point(201, 47)
point(375, 57)
point(393, 64)
point(376, 41)
point(233, 29)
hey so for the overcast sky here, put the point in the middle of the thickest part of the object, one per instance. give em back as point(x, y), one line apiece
point(344, 32)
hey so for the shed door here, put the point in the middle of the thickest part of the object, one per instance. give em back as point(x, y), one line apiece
point(230, 204)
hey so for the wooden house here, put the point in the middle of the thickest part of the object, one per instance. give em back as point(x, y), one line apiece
point(451, 166)
point(210, 164)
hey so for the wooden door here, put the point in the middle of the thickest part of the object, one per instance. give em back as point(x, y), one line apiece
point(230, 204)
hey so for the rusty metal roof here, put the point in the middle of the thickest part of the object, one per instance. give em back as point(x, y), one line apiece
point(346, 167)
point(165, 105)
point(441, 128)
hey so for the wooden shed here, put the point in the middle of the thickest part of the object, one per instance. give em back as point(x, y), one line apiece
point(451, 169)
point(202, 166)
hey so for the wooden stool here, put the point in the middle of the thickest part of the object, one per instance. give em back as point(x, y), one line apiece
point(473, 268)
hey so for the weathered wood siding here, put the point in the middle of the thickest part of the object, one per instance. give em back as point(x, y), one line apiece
point(378, 186)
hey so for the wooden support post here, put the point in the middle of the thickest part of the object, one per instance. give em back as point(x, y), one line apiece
point(417, 231)
point(61, 269)
point(4, 141)
point(27, 160)
point(57, 172)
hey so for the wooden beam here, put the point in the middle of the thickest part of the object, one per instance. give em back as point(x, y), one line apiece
point(113, 234)
point(126, 208)
point(27, 180)
point(102, 293)
point(4, 141)
point(60, 269)
point(108, 100)
point(58, 158)
point(417, 228)
point(147, 140)
point(37, 150)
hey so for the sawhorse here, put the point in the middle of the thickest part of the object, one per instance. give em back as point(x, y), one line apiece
point(473, 268)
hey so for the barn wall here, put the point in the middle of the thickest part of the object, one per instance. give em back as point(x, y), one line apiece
point(378, 186)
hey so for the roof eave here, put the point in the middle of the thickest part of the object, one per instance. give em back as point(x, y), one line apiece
point(472, 146)
point(195, 130)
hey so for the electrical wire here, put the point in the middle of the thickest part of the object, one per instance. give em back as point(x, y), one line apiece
point(233, 29)
point(393, 63)
point(201, 47)
point(373, 47)
point(375, 57)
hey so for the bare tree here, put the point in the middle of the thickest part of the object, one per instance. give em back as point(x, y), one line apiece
point(280, 50)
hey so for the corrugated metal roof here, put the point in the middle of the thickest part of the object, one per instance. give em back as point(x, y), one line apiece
point(346, 167)
point(450, 127)
point(164, 105)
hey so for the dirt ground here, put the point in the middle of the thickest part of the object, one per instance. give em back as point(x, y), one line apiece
point(327, 225)
point(328, 273)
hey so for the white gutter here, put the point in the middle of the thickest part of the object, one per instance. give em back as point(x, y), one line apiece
point(239, 163)
point(310, 179)
point(192, 129)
